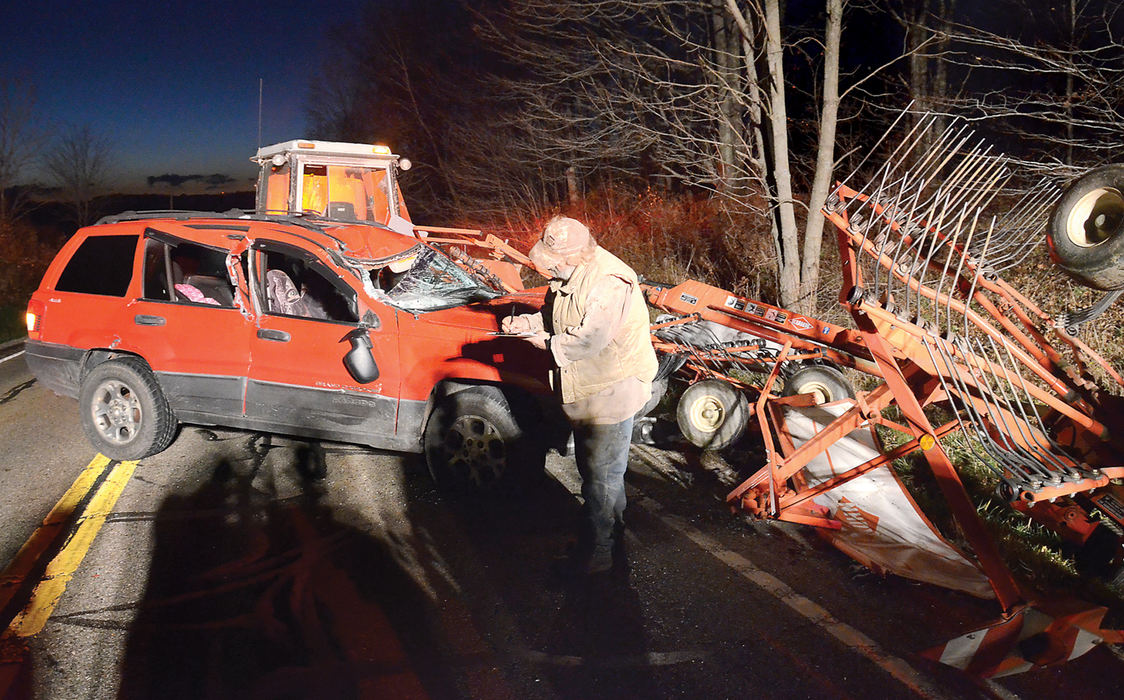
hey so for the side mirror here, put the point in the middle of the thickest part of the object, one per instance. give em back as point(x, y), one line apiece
point(359, 361)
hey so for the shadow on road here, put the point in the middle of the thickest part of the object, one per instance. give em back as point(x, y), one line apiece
point(252, 595)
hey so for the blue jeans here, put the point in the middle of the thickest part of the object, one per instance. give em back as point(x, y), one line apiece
point(602, 456)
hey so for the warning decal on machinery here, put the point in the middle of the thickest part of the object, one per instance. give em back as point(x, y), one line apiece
point(882, 526)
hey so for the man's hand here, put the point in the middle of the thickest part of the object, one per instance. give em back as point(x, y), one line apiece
point(538, 339)
point(516, 324)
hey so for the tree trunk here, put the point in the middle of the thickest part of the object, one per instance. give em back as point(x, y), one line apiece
point(825, 157)
point(572, 193)
point(784, 213)
point(725, 51)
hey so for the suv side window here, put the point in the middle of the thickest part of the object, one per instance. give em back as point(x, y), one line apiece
point(293, 285)
point(198, 274)
point(101, 265)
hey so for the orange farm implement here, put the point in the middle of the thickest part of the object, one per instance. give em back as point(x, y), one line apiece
point(953, 348)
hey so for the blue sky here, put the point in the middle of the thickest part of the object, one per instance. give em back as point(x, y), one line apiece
point(174, 86)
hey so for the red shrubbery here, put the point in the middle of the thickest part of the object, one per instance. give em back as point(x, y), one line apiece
point(670, 237)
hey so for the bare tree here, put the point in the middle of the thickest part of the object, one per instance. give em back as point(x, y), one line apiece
point(1056, 94)
point(691, 93)
point(19, 143)
point(78, 165)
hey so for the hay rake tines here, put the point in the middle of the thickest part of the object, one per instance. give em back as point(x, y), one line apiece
point(925, 267)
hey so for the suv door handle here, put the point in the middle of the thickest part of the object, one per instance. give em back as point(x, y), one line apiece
point(147, 320)
point(271, 334)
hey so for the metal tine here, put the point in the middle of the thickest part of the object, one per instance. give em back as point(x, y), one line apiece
point(939, 157)
point(939, 151)
point(889, 239)
point(976, 276)
point(1006, 453)
point(1034, 409)
point(895, 260)
point(918, 172)
point(979, 427)
point(929, 239)
point(987, 392)
point(960, 266)
point(1025, 215)
point(872, 149)
point(950, 247)
point(929, 121)
point(975, 279)
point(1032, 212)
point(976, 423)
point(978, 205)
point(1019, 216)
point(1011, 242)
point(1045, 457)
point(1011, 366)
point(877, 195)
point(970, 170)
point(889, 165)
point(890, 168)
point(969, 178)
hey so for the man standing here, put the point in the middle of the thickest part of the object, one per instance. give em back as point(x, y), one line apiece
point(595, 325)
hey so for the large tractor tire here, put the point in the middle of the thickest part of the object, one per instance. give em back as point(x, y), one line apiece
point(1086, 233)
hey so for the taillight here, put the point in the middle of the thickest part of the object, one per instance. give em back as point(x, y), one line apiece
point(34, 319)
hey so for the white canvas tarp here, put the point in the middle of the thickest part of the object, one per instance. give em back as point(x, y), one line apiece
point(882, 526)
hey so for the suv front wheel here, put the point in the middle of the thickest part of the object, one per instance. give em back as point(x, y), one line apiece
point(474, 443)
point(124, 413)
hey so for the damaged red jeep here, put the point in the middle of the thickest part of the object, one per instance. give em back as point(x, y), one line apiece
point(296, 325)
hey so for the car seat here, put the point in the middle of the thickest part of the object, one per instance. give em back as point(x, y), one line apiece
point(282, 295)
point(212, 287)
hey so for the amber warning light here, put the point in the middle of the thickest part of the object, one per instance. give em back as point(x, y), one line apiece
point(34, 319)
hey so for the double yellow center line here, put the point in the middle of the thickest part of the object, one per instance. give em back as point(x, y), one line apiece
point(76, 519)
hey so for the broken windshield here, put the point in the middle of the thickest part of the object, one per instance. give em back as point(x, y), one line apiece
point(431, 283)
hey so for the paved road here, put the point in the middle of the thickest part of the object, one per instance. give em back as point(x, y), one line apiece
point(239, 564)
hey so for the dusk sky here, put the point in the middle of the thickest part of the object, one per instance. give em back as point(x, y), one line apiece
point(174, 86)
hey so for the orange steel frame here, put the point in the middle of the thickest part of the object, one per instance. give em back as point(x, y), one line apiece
point(909, 381)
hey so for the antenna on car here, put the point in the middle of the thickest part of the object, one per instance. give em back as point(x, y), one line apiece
point(259, 113)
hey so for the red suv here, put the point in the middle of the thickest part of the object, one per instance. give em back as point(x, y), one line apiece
point(291, 325)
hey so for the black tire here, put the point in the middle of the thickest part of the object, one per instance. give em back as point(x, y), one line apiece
point(1086, 233)
point(712, 414)
point(826, 383)
point(124, 412)
point(474, 443)
point(1101, 555)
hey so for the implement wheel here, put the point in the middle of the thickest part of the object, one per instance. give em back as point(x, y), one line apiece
point(825, 383)
point(712, 414)
point(1086, 232)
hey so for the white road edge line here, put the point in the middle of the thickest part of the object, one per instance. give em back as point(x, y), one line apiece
point(850, 637)
point(5, 359)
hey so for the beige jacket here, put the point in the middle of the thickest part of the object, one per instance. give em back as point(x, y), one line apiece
point(588, 362)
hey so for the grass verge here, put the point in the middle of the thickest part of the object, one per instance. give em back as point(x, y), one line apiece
point(11, 323)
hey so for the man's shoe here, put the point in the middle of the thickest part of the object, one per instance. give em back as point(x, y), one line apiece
point(578, 566)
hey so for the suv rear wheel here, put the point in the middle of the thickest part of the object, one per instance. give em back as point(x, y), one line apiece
point(124, 413)
point(474, 443)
